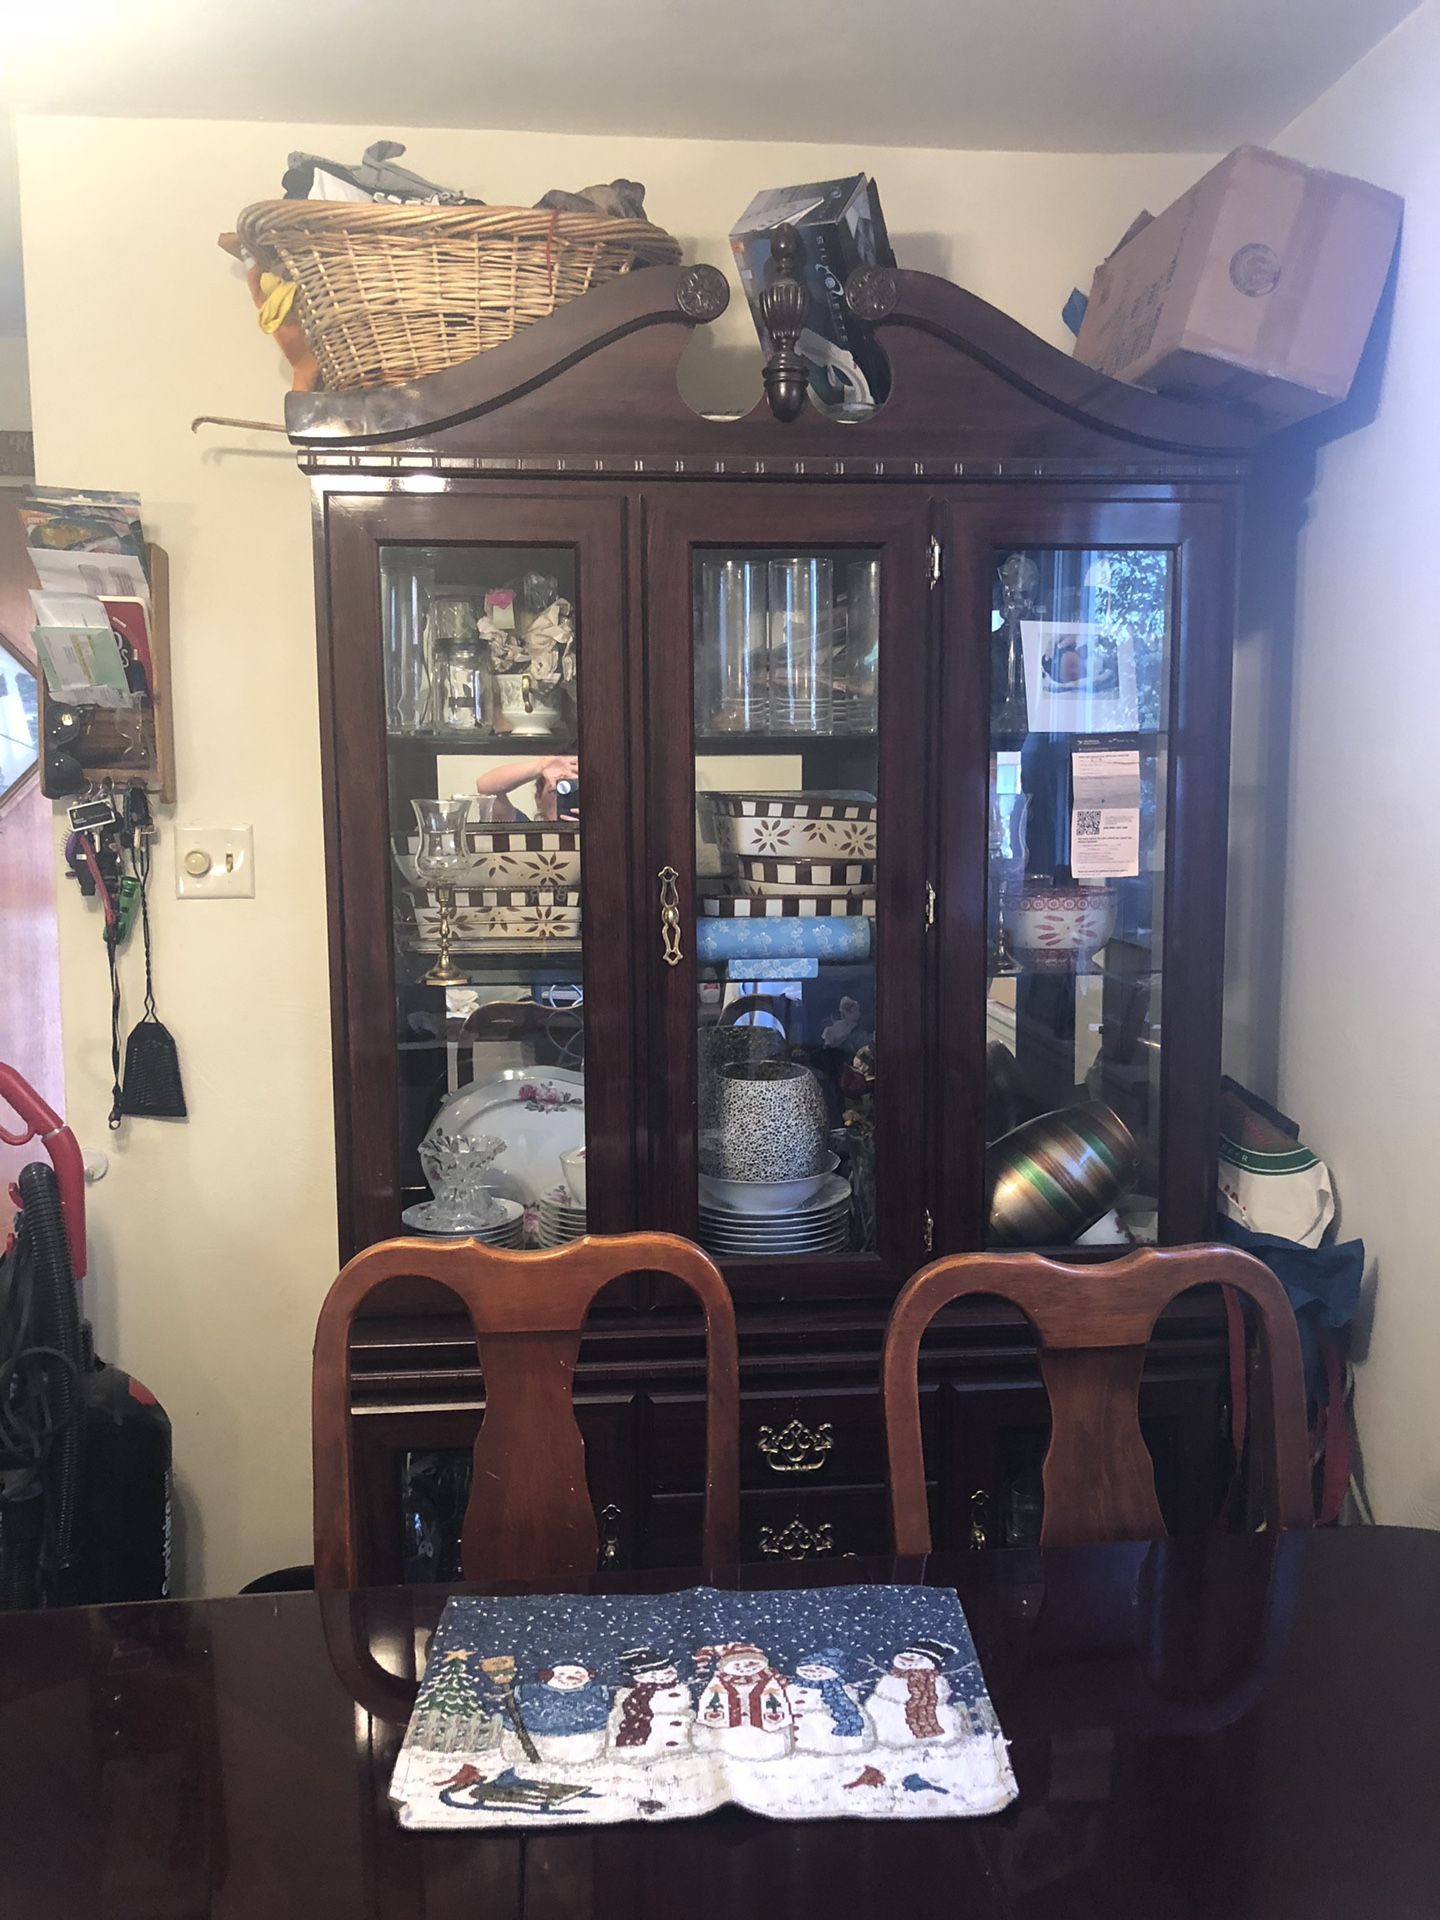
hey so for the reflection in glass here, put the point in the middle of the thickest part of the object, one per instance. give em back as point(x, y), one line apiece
point(1079, 664)
point(19, 721)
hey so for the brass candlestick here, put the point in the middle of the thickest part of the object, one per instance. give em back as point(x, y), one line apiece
point(445, 973)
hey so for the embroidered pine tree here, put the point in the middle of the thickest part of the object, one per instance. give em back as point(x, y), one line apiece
point(448, 1707)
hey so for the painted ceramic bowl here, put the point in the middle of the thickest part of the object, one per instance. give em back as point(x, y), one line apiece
point(766, 1196)
point(1057, 1175)
point(1057, 926)
point(786, 877)
point(795, 825)
point(771, 1122)
point(526, 853)
point(535, 916)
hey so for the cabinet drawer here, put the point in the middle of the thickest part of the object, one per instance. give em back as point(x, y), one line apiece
point(826, 1437)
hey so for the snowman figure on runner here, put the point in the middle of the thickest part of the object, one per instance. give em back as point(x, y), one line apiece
point(654, 1715)
point(565, 1711)
point(828, 1715)
point(911, 1705)
point(744, 1708)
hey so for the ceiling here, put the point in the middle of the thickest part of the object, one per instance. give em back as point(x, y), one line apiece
point(1055, 75)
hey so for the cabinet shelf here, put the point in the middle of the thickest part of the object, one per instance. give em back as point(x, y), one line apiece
point(1145, 741)
point(519, 968)
point(474, 740)
point(807, 743)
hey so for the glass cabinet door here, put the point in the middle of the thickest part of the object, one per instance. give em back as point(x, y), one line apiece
point(496, 858)
point(1080, 643)
point(803, 654)
point(484, 674)
point(1087, 682)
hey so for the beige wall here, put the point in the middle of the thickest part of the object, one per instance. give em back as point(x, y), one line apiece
point(214, 1241)
point(1348, 920)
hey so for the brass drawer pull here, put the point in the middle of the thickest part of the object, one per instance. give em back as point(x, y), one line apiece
point(610, 1535)
point(797, 1541)
point(796, 1448)
point(670, 917)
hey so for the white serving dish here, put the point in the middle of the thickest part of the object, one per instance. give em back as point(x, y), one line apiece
point(515, 853)
point(819, 876)
point(767, 1197)
point(782, 890)
point(526, 916)
point(539, 1112)
point(750, 825)
point(526, 854)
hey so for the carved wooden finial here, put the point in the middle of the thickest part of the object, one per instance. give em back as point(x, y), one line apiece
point(703, 294)
point(782, 307)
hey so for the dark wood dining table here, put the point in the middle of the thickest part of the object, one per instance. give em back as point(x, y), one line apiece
point(1236, 1726)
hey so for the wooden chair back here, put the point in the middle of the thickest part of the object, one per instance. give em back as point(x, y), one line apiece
point(529, 1515)
point(1092, 1324)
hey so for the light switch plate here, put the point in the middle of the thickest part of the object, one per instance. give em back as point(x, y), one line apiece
point(215, 863)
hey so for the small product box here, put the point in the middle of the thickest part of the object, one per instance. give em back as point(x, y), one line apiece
point(1258, 286)
point(841, 227)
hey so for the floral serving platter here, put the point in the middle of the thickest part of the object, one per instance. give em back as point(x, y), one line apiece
point(539, 1112)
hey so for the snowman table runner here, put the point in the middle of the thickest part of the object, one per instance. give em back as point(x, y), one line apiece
point(562, 1709)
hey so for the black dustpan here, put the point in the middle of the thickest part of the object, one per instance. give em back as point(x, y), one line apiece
point(150, 1087)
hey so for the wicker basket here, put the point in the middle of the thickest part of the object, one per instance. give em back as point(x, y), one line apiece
point(387, 293)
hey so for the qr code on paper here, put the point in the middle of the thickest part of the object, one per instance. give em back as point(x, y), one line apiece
point(1087, 823)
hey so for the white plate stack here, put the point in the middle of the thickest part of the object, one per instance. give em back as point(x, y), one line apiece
point(560, 1221)
point(820, 1225)
point(508, 1231)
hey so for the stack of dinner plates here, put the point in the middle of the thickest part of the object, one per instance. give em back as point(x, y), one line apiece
point(560, 1220)
point(508, 1230)
point(821, 1225)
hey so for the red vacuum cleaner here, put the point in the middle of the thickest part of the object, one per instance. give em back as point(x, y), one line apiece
point(85, 1450)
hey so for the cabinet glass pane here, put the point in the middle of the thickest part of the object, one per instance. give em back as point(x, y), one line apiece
point(1080, 642)
point(482, 673)
point(787, 649)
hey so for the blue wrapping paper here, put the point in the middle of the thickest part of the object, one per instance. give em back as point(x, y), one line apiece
point(844, 937)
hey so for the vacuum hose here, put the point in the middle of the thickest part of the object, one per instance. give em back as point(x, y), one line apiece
point(57, 1326)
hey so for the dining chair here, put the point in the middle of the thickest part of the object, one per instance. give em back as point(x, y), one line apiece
point(529, 1515)
point(1092, 1324)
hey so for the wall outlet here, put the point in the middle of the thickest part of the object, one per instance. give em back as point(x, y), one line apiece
point(215, 863)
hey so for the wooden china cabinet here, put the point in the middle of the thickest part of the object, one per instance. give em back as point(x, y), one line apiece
point(926, 623)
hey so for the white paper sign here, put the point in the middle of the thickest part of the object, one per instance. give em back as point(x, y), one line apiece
point(1105, 815)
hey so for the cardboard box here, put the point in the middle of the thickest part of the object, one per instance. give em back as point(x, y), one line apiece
point(1258, 286)
point(841, 227)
